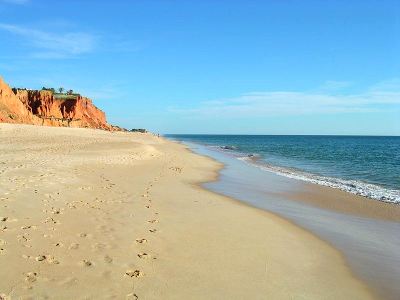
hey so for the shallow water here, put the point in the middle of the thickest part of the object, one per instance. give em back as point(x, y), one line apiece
point(371, 247)
point(363, 165)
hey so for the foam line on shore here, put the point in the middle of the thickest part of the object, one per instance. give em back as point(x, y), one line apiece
point(351, 186)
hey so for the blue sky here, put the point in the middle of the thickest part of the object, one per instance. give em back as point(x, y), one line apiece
point(256, 67)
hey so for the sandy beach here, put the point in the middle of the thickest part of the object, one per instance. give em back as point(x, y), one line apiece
point(90, 214)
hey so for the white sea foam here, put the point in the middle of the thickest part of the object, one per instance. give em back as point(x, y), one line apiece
point(352, 186)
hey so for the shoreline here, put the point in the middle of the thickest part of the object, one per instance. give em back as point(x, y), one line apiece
point(327, 197)
point(348, 203)
point(367, 239)
point(356, 187)
point(90, 213)
point(327, 182)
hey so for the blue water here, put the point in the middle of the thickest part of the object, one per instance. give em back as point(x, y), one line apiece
point(363, 165)
point(370, 246)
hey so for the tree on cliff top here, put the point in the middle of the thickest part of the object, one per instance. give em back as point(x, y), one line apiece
point(49, 89)
point(61, 90)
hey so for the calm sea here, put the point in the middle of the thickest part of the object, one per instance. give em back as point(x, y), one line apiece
point(363, 165)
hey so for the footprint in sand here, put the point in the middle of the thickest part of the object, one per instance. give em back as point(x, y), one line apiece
point(52, 260)
point(31, 277)
point(143, 255)
point(2, 251)
point(141, 241)
point(153, 221)
point(108, 259)
point(134, 273)
point(48, 258)
point(86, 263)
point(153, 230)
point(41, 258)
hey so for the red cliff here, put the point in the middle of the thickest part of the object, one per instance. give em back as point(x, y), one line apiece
point(44, 108)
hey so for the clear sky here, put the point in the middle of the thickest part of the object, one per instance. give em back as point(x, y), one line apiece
point(215, 66)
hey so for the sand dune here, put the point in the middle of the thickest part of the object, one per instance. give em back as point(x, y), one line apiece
point(89, 214)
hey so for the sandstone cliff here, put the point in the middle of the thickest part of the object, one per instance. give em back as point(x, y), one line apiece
point(43, 108)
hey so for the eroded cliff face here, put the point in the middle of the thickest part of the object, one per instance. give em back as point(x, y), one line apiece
point(11, 109)
point(42, 108)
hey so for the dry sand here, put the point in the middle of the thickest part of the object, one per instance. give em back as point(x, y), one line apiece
point(89, 214)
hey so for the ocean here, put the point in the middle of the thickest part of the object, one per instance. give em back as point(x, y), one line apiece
point(367, 166)
point(362, 165)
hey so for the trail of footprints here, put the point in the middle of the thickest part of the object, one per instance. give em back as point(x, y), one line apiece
point(141, 241)
point(51, 219)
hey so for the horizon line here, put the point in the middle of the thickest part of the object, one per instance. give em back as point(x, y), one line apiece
point(262, 134)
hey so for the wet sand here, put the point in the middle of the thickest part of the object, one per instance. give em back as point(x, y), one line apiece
point(366, 233)
point(343, 202)
point(89, 214)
